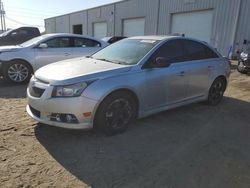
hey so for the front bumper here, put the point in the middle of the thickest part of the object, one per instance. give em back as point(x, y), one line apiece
point(244, 66)
point(45, 106)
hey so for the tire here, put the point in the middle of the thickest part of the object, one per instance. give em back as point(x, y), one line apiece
point(216, 91)
point(115, 113)
point(17, 72)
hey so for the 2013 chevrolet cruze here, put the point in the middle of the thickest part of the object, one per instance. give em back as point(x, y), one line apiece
point(130, 79)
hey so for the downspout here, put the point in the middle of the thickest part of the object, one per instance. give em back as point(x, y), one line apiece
point(236, 24)
point(158, 17)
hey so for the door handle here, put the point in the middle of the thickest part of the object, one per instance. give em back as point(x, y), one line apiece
point(182, 73)
point(67, 54)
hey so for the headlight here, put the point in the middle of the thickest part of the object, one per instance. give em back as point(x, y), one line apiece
point(74, 90)
point(244, 55)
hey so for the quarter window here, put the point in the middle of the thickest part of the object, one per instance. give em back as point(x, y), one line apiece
point(82, 42)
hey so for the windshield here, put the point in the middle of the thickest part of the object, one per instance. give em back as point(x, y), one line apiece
point(127, 52)
point(5, 33)
point(32, 41)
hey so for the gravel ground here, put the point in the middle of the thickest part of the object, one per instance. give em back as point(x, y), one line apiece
point(192, 146)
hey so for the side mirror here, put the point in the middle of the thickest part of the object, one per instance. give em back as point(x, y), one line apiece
point(43, 45)
point(161, 62)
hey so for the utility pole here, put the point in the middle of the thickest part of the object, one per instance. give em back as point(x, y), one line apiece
point(2, 17)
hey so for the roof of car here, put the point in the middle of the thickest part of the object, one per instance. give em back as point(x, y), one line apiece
point(65, 34)
point(154, 37)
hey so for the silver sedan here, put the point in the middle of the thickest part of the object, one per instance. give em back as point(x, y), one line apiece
point(17, 63)
point(130, 79)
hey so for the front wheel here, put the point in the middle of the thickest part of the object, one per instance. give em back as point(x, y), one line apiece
point(216, 91)
point(17, 72)
point(115, 113)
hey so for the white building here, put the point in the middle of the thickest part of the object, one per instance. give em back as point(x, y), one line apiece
point(222, 23)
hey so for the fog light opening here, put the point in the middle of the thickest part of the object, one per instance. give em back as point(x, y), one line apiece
point(64, 118)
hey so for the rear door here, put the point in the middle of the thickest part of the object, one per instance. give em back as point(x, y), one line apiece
point(166, 85)
point(84, 46)
point(58, 49)
point(201, 62)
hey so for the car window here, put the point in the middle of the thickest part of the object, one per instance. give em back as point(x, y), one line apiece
point(23, 32)
point(62, 42)
point(127, 52)
point(172, 51)
point(83, 42)
point(197, 51)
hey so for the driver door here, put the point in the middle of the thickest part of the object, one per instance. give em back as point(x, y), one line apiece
point(57, 49)
point(165, 86)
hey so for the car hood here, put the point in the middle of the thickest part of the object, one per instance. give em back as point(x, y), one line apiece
point(79, 69)
point(9, 48)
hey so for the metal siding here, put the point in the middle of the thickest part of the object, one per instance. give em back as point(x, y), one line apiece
point(137, 9)
point(224, 15)
point(62, 24)
point(79, 18)
point(243, 30)
point(101, 14)
point(50, 25)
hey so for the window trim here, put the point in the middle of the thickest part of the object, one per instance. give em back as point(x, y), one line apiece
point(45, 41)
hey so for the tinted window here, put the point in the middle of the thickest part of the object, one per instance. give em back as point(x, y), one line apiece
point(62, 42)
point(82, 42)
point(23, 32)
point(197, 51)
point(172, 51)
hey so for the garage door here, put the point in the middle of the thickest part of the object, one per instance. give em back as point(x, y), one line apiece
point(193, 24)
point(100, 29)
point(134, 27)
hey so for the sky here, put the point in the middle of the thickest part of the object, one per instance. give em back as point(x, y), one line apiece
point(33, 12)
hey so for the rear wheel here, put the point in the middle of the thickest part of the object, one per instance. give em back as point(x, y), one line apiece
point(216, 91)
point(17, 72)
point(115, 113)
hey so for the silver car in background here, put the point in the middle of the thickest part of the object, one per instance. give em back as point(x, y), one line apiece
point(130, 79)
point(17, 63)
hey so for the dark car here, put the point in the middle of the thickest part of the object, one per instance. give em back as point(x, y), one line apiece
point(113, 39)
point(244, 59)
point(18, 36)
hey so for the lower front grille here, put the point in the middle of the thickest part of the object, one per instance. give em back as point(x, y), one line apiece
point(247, 62)
point(35, 112)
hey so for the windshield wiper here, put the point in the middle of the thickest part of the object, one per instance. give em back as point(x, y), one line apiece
point(88, 56)
point(112, 61)
point(105, 60)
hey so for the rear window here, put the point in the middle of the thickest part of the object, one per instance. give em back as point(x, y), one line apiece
point(83, 42)
point(197, 51)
